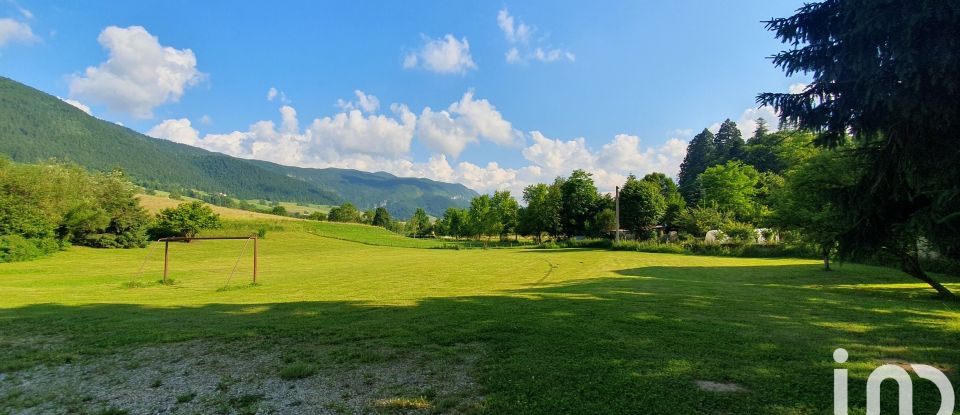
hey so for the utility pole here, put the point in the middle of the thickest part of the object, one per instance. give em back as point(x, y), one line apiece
point(617, 198)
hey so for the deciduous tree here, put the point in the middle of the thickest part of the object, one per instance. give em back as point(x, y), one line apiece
point(641, 205)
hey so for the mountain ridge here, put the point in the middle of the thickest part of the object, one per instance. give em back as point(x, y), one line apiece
point(36, 126)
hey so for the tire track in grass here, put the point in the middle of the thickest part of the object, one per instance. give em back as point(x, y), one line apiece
point(549, 271)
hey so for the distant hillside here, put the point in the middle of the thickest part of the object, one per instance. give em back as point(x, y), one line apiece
point(374, 189)
point(36, 126)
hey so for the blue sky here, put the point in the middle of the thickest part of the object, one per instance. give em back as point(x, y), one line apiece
point(493, 95)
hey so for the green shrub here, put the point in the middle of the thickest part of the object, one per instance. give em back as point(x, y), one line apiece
point(15, 248)
point(649, 246)
point(740, 233)
point(698, 220)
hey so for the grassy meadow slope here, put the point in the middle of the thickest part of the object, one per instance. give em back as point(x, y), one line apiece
point(241, 222)
point(338, 326)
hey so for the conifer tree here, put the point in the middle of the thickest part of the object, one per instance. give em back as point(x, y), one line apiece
point(700, 153)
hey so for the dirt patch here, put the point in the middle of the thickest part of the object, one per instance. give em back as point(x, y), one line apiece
point(720, 387)
point(208, 377)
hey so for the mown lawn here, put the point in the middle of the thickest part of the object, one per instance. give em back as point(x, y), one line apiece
point(552, 331)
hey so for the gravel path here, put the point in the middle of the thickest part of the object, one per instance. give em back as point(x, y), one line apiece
point(208, 377)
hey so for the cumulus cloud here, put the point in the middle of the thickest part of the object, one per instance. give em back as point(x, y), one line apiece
point(276, 94)
point(139, 75)
point(14, 31)
point(523, 48)
point(747, 122)
point(446, 55)
point(79, 105)
point(364, 102)
point(177, 130)
point(798, 88)
point(356, 138)
point(550, 158)
point(353, 132)
point(514, 33)
point(557, 156)
point(463, 122)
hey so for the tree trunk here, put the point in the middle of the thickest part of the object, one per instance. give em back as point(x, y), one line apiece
point(826, 258)
point(910, 265)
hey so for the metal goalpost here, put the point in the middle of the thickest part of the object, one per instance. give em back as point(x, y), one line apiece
point(166, 250)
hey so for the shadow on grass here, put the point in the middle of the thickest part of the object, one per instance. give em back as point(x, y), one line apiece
point(634, 343)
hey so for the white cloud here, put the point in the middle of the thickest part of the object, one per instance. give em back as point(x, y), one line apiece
point(206, 120)
point(681, 132)
point(463, 122)
point(446, 55)
point(79, 105)
point(290, 125)
point(557, 156)
point(360, 140)
point(366, 103)
point(519, 37)
point(139, 75)
point(352, 132)
point(513, 56)
point(552, 55)
point(747, 122)
point(798, 88)
point(514, 34)
point(178, 131)
point(13, 31)
point(439, 131)
point(274, 93)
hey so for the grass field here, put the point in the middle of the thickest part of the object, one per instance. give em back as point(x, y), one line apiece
point(338, 326)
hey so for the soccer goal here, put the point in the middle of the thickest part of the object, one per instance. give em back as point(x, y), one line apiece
point(166, 250)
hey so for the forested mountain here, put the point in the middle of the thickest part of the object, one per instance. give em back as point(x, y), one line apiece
point(37, 126)
point(381, 189)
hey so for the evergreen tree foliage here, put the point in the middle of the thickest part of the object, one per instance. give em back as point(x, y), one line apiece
point(381, 218)
point(728, 143)
point(700, 155)
point(885, 71)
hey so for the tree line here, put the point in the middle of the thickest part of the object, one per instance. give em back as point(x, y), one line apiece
point(46, 207)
